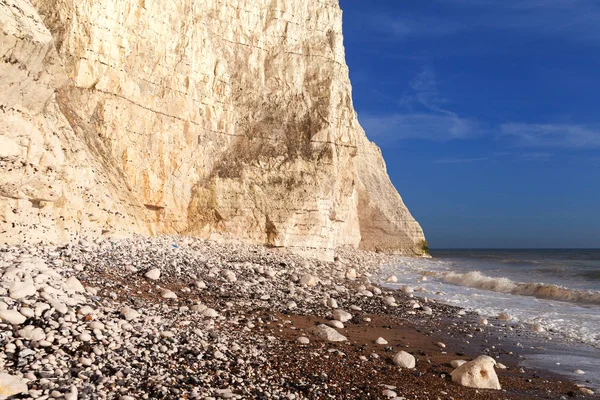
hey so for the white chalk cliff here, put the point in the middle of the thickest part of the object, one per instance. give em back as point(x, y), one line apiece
point(228, 118)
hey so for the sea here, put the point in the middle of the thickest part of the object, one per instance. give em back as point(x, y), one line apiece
point(557, 289)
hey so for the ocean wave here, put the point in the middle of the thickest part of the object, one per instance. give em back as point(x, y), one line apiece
point(476, 279)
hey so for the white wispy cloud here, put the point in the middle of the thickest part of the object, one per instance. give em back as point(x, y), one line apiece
point(417, 126)
point(553, 135)
point(422, 115)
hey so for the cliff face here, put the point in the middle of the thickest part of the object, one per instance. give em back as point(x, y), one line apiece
point(200, 117)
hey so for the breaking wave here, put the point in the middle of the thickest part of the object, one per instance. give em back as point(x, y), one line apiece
point(476, 279)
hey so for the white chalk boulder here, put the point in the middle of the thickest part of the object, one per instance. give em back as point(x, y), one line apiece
point(153, 274)
point(12, 317)
point(351, 274)
point(11, 385)
point(19, 290)
point(404, 360)
point(479, 374)
point(342, 316)
point(381, 341)
point(325, 332)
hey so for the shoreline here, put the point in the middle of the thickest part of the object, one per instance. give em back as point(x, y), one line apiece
point(222, 321)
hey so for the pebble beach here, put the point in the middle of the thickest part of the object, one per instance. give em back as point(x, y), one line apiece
point(183, 318)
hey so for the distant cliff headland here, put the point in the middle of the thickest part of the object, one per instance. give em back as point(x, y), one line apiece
point(205, 118)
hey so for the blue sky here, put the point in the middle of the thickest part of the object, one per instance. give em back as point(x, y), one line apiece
point(488, 115)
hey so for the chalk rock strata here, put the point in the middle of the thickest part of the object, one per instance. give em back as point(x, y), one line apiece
point(228, 118)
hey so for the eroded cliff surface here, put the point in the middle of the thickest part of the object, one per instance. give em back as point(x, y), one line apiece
point(199, 117)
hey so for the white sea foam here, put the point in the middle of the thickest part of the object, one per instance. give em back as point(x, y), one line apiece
point(573, 312)
point(476, 279)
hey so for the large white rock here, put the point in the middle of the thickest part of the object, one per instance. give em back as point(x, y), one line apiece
point(32, 333)
point(342, 316)
point(331, 302)
point(303, 340)
point(153, 274)
point(404, 360)
point(381, 341)
point(11, 385)
point(390, 301)
point(229, 276)
point(18, 290)
point(335, 324)
point(75, 285)
point(129, 313)
point(392, 279)
point(12, 317)
point(168, 294)
point(479, 374)
point(327, 333)
point(210, 313)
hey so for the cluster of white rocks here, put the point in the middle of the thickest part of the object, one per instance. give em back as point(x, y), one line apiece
point(169, 317)
point(72, 327)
